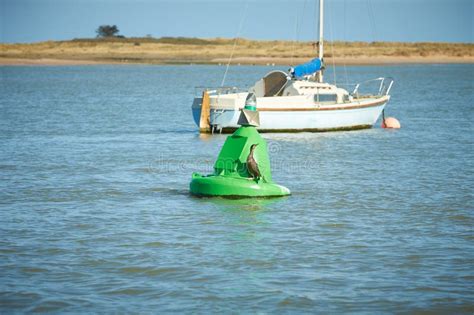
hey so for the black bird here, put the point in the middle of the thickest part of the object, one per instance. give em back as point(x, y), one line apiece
point(252, 165)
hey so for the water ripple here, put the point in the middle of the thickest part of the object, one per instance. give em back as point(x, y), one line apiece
point(96, 215)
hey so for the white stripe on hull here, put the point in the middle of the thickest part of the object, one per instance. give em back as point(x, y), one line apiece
point(357, 115)
point(320, 120)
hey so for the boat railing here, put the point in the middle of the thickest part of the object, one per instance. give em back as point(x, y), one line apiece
point(373, 88)
point(221, 90)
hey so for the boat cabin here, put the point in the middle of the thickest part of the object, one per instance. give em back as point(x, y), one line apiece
point(278, 83)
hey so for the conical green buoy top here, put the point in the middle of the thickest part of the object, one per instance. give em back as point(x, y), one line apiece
point(242, 168)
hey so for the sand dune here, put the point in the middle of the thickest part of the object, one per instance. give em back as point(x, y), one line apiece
point(215, 51)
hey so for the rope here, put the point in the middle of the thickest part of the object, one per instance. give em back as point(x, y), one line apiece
point(297, 31)
point(235, 42)
point(345, 43)
point(293, 48)
point(372, 20)
point(333, 57)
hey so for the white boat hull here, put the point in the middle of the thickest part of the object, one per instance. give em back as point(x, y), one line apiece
point(300, 117)
point(320, 120)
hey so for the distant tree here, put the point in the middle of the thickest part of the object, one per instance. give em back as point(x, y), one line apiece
point(107, 31)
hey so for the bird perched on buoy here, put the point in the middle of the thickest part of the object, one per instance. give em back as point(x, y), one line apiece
point(230, 169)
point(252, 165)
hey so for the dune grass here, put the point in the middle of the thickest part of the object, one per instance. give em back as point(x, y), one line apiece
point(217, 50)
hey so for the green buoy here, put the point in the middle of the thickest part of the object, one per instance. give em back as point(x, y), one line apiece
point(232, 176)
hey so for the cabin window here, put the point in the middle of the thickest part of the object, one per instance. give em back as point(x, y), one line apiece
point(325, 98)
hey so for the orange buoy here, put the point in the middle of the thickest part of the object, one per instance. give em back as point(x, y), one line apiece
point(390, 122)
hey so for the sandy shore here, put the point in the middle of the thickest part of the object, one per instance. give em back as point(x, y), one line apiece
point(382, 60)
point(48, 62)
point(217, 51)
point(379, 60)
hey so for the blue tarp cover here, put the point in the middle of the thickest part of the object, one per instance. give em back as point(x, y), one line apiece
point(307, 68)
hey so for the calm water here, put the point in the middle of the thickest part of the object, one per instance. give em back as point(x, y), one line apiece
point(95, 164)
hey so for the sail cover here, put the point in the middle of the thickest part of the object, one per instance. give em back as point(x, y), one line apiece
point(307, 68)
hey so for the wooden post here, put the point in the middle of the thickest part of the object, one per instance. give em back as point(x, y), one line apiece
point(204, 122)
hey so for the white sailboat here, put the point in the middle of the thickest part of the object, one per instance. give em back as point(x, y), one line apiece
point(295, 101)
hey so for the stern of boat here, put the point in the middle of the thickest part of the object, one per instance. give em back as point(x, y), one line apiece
point(215, 109)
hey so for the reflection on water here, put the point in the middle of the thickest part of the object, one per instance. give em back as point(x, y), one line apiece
point(242, 204)
point(95, 164)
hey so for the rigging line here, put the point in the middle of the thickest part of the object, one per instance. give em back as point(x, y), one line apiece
point(333, 57)
point(296, 38)
point(244, 15)
point(372, 20)
point(316, 33)
point(345, 42)
point(293, 53)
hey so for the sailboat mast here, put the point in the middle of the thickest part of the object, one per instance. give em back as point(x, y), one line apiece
point(320, 43)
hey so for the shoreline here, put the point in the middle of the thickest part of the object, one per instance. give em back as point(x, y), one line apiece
point(180, 50)
point(350, 61)
point(47, 62)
